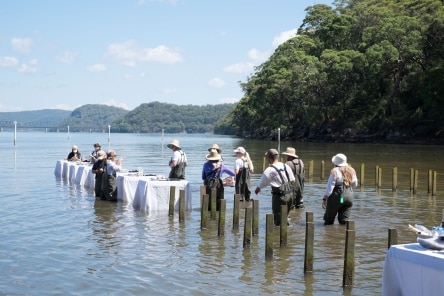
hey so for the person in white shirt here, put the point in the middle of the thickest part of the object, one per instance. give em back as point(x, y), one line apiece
point(338, 196)
point(271, 177)
point(178, 161)
point(243, 167)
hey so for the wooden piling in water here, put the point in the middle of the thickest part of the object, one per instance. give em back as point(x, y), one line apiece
point(222, 211)
point(429, 182)
point(255, 217)
point(310, 169)
point(322, 170)
point(204, 212)
point(236, 211)
point(247, 228)
point(309, 242)
point(379, 177)
point(269, 224)
point(412, 178)
point(435, 176)
point(392, 237)
point(172, 200)
point(361, 179)
point(203, 191)
point(181, 205)
point(283, 228)
point(394, 179)
point(376, 175)
point(415, 182)
point(349, 258)
point(213, 200)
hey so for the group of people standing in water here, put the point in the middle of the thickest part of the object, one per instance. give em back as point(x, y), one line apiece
point(337, 199)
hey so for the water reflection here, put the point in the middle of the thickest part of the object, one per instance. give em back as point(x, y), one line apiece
point(106, 224)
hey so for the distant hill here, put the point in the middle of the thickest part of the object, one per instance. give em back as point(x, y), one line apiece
point(92, 118)
point(155, 117)
point(147, 118)
point(38, 118)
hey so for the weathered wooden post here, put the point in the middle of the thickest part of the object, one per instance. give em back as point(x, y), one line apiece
point(181, 205)
point(392, 237)
point(255, 217)
point(222, 211)
point(309, 242)
point(379, 177)
point(415, 182)
point(361, 179)
point(376, 175)
point(236, 211)
point(322, 170)
point(310, 169)
point(247, 228)
point(429, 182)
point(349, 258)
point(204, 212)
point(412, 178)
point(213, 200)
point(172, 200)
point(269, 224)
point(435, 176)
point(394, 179)
point(283, 228)
point(203, 191)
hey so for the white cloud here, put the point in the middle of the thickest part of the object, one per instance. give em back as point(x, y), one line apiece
point(256, 55)
point(129, 54)
point(31, 67)
point(8, 61)
point(284, 36)
point(229, 100)
point(62, 107)
point(112, 102)
point(96, 68)
point(67, 57)
point(21, 45)
point(216, 82)
point(240, 68)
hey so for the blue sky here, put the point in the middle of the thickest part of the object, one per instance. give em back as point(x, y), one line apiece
point(65, 54)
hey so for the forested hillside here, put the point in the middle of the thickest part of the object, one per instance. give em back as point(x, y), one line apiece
point(155, 117)
point(366, 69)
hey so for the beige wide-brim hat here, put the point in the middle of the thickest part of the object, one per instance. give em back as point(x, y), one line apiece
point(215, 147)
point(101, 154)
point(290, 152)
point(175, 143)
point(339, 160)
point(213, 156)
point(240, 150)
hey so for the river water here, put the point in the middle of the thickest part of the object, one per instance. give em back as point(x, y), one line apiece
point(55, 239)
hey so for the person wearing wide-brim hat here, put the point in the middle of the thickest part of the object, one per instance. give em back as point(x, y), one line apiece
point(243, 167)
point(271, 177)
point(75, 154)
point(297, 166)
point(212, 172)
point(216, 148)
point(178, 161)
point(338, 196)
point(109, 181)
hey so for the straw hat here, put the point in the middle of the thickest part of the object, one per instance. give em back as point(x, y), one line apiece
point(213, 156)
point(101, 154)
point(339, 160)
point(215, 147)
point(74, 148)
point(290, 152)
point(175, 143)
point(97, 145)
point(240, 150)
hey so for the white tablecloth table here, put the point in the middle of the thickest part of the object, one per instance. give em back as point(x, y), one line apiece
point(413, 270)
point(75, 172)
point(127, 185)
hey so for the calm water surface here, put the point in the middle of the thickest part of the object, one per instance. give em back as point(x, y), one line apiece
point(55, 239)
